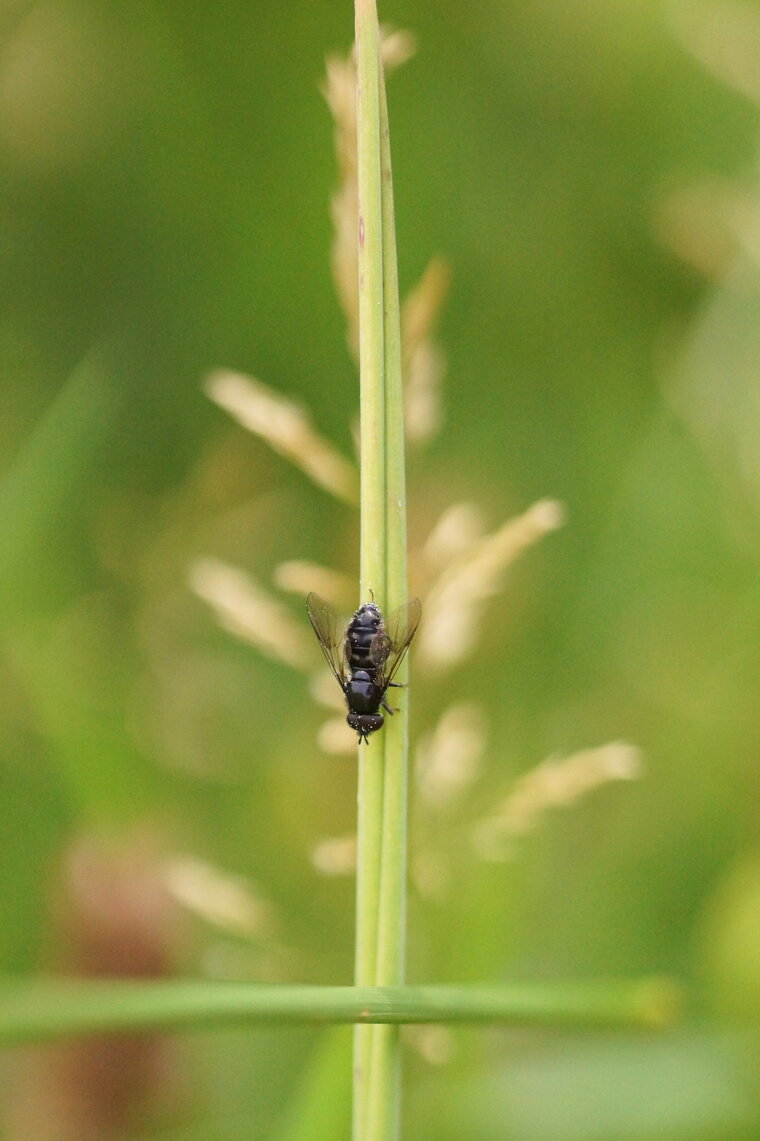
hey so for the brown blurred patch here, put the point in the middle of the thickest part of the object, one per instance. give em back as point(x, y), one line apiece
point(112, 918)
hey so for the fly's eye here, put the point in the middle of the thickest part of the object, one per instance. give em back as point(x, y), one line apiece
point(365, 723)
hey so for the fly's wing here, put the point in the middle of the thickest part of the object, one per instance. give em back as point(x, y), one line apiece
point(329, 635)
point(393, 641)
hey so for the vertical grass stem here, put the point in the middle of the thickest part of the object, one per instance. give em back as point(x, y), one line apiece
point(384, 1079)
point(372, 501)
point(381, 873)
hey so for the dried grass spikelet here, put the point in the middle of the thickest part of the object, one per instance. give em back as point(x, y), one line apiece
point(287, 429)
point(456, 532)
point(334, 736)
point(555, 783)
point(335, 856)
point(325, 692)
point(436, 1045)
point(725, 38)
point(448, 759)
point(298, 576)
point(424, 363)
point(701, 222)
point(456, 598)
point(228, 902)
point(743, 212)
point(339, 91)
point(250, 613)
point(423, 360)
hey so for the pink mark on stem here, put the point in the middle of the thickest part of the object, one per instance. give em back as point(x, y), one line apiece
point(361, 230)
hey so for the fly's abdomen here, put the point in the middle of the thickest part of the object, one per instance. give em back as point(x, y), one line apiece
point(363, 695)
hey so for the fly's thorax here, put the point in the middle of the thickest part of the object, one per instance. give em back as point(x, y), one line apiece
point(361, 633)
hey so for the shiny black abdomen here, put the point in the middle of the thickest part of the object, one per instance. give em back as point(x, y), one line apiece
point(363, 694)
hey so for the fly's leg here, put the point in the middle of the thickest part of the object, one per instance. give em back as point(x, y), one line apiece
point(394, 685)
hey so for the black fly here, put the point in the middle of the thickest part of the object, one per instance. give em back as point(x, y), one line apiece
point(365, 656)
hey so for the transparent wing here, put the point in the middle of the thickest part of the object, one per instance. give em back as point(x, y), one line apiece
point(330, 635)
point(391, 644)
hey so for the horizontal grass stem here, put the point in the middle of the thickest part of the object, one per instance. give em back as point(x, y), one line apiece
point(41, 1010)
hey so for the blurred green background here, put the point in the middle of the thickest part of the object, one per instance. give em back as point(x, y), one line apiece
point(589, 171)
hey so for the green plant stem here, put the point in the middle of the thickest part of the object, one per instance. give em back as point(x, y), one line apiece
point(381, 890)
point(384, 1079)
point(372, 499)
point(38, 1010)
point(371, 303)
point(391, 922)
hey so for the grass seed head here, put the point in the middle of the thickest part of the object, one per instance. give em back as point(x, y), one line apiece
point(287, 429)
point(555, 783)
point(249, 612)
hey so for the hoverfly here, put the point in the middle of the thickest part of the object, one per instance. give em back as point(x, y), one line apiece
point(365, 656)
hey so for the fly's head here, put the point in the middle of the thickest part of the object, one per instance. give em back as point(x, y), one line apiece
point(369, 614)
point(365, 723)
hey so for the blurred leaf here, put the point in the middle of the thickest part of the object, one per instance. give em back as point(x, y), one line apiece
point(320, 1107)
point(43, 479)
point(730, 951)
